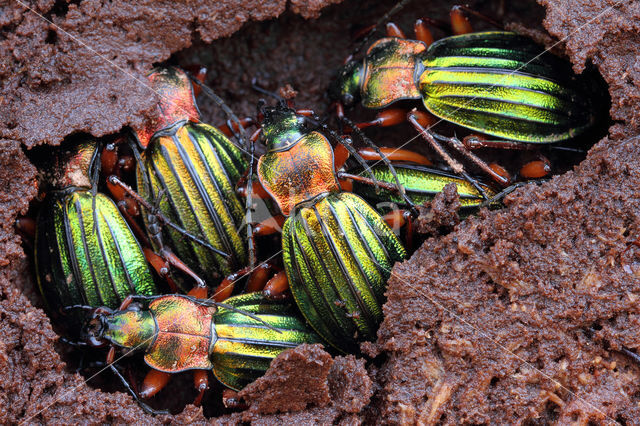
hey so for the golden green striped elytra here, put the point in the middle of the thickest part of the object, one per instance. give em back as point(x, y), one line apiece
point(498, 83)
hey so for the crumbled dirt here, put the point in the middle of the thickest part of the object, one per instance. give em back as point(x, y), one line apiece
point(331, 389)
point(439, 215)
point(516, 315)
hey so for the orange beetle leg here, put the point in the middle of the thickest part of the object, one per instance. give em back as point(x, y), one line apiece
point(225, 288)
point(394, 31)
point(160, 266)
point(395, 155)
point(200, 74)
point(386, 118)
point(230, 400)
point(340, 156)
point(422, 32)
point(270, 226)
point(259, 277)
point(536, 169)
point(245, 122)
point(459, 22)
point(27, 226)
point(109, 159)
point(153, 383)
point(257, 190)
point(500, 171)
point(277, 286)
point(201, 382)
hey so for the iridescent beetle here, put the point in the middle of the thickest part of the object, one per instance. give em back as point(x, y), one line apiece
point(85, 253)
point(338, 251)
point(189, 170)
point(498, 83)
point(237, 340)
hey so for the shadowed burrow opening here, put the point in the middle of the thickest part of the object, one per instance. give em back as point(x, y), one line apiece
point(305, 54)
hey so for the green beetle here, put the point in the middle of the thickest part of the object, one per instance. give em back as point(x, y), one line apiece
point(190, 170)
point(237, 340)
point(498, 83)
point(421, 184)
point(338, 252)
point(85, 253)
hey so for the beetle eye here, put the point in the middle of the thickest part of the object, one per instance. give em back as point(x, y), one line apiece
point(347, 99)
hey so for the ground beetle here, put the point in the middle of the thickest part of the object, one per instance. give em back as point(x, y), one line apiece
point(85, 253)
point(237, 339)
point(499, 83)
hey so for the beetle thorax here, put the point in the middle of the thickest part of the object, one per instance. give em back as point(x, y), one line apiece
point(300, 172)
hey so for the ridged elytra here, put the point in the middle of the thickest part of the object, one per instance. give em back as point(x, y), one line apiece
point(196, 168)
point(338, 252)
point(85, 253)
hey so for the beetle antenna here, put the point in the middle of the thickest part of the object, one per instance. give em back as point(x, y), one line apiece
point(385, 160)
point(127, 385)
point(395, 9)
point(240, 135)
point(254, 86)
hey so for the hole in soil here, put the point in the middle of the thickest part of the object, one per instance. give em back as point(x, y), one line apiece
point(304, 54)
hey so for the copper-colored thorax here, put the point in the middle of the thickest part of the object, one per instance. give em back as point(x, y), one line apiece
point(300, 172)
point(176, 102)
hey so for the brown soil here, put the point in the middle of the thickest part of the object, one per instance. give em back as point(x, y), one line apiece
point(514, 316)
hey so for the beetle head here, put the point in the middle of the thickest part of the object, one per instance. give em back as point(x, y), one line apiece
point(281, 126)
point(93, 331)
point(345, 88)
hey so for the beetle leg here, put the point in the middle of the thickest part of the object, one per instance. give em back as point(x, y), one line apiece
point(536, 169)
point(257, 190)
point(199, 72)
point(422, 32)
point(362, 179)
point(230, 400)
point(258, 279)
point(394, 31)
point(395, 155)
point(477, 141)
point(384, 159)
point(153, 383)
point(459, 146)
point(385, 118)
point(225, 288)
point(174, 261)
point(459, 22)
point(398, 219)
point(126, 384)
point(27, 226)
point(455, 165)
point(230, 128)
point(270, 225)
point(114, 180)
point(277, 286)
point(161, 267)
point(461, 8)
point(201, 382)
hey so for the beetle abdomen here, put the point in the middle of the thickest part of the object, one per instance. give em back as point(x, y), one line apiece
point(86, 253)
point(197, 168)
point(245, 347)
point(420, 183)
point(505, 85)
point(338, 254)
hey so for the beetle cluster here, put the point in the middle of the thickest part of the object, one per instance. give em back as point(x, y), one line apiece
point(187, 217)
